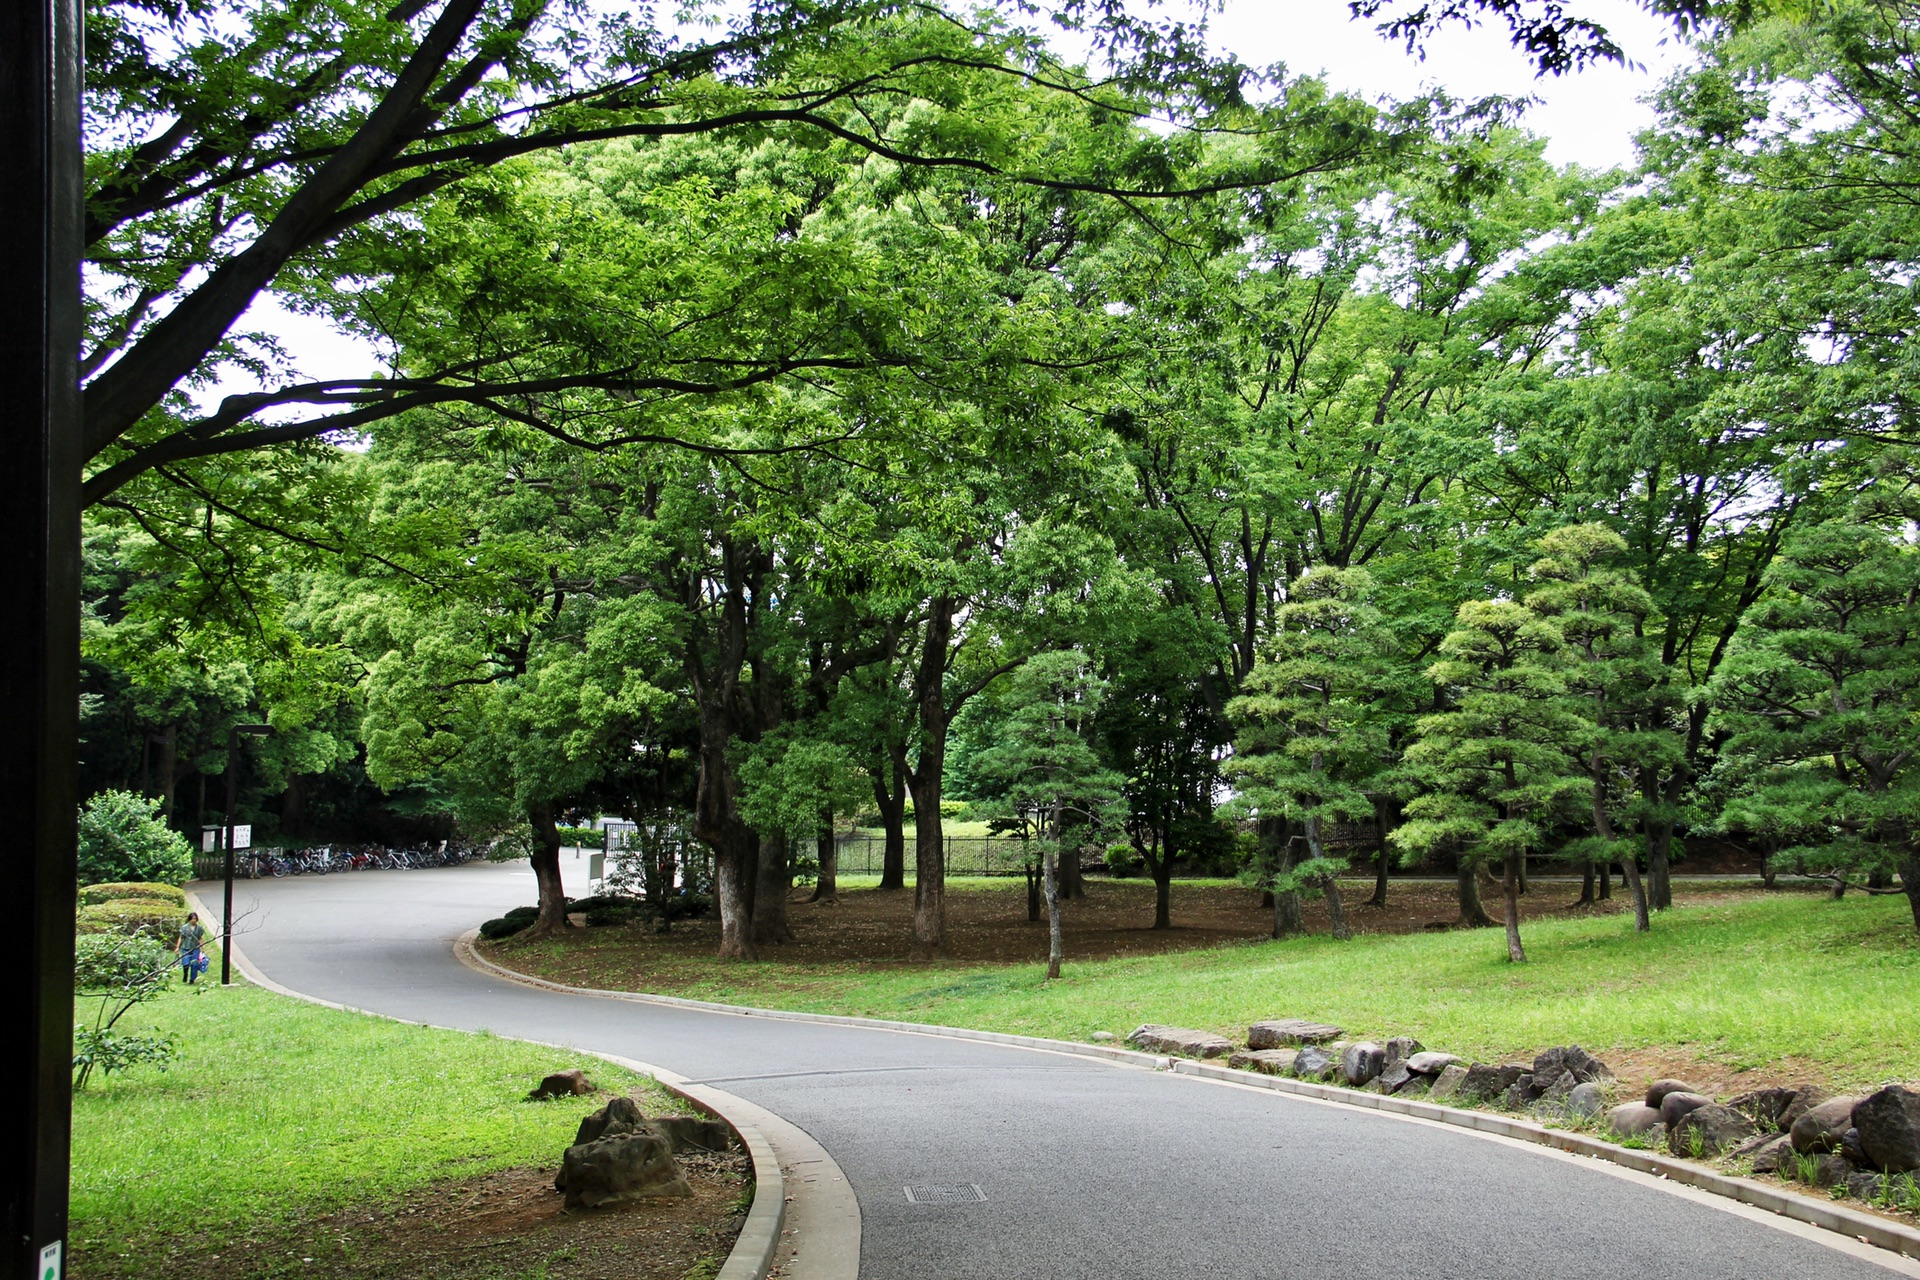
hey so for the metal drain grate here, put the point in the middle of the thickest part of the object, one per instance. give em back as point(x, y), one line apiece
point(946, 1193)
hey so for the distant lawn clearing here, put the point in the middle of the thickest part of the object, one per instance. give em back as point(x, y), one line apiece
point(1752, 985)
point(278, 1112)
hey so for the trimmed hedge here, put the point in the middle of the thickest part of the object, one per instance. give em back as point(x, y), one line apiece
point(158, 919)
point(95, 894)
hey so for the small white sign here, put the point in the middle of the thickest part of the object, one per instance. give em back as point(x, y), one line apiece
point(50, 1261)
point(242, 837)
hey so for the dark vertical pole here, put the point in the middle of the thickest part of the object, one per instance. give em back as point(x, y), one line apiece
point(226, 829)
point(40, 646)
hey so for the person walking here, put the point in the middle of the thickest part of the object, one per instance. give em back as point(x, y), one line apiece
point(193, 960)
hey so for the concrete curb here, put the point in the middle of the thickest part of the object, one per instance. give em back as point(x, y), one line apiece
point(1828, 1215)
point(753, 1250)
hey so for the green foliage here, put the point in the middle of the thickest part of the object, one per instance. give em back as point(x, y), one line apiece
point(94, 894)
point(1122, 861)
point(118, 973)
point(129, 917)
point(122, 838)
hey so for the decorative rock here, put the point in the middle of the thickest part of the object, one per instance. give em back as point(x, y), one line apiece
point(696, 1132)
point(1764, 1106)
point(1155, 1038)
point(621, 1115)
point(620, 1169)
point(1520, 1092)
point(1430, 1062)
point(1822, 1128)
point(1805, 1098)
point(1446, 1085)
point(1832, 1170)
point(1555, 1094)
point(1362, 1062)
point(1394, 1078)
point(1272, 1062)
point(562, 1084)
point(1283, 1033)
point(1313, 1063)
point(1586, 1100)
point(1659, 1089)
point(1632, 1119)
point(1675, 1105)
point(1706, 1131)
point(1865, 1186)
point(1768, 1155)
point(1850, 1147)
point(1102, 1037)
point(1585, 1067)
point(1401, 1048)
point(1483, 1081)
point(1417, 1087)
point(1889, 1124)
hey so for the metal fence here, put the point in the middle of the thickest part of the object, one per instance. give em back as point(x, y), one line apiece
point(863, 854)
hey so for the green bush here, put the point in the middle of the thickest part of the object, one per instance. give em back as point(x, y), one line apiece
point(509, 924)
point(1122, 861)
point(123, 839)
point(132, 916)
point(585, 837)
point(95, 894)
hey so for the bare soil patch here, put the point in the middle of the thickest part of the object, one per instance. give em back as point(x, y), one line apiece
point(508, 1225)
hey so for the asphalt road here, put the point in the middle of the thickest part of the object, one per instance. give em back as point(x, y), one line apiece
point(1089, 1170)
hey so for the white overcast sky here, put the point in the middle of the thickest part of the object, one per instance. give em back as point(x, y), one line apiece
point(1590, 117)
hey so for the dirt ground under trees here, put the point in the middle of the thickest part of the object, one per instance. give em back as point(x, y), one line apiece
point(508, 1225)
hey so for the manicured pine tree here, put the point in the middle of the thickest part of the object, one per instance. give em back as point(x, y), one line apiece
point(1498, 768)
point(1311, 726)
point(1822, 695)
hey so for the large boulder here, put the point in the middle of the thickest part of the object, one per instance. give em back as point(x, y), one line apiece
point(1707, 1131)
point(1764, 1106)
point(1484, 1081)
point(1548, 1065)
point(1400, 1048)
point(1314, 1063)
point(1362, 1062)
point(1632, 1119)
point(1186, 1041)
point(1675, 1105)
point(1395, 1078)
point(1553, 1098)
point(1430, 1062)
point(1657, 1091)
point(1282, 1033)
point(1446, 1085)
point(1768, 1155)
point(620, 1169)
point(697, 1133)
point(1823, 1127)
point(1805, 1098)
point(621, 1115)
point(1889, 1124)
point(1520, 1093)
point(1586, 1100)
point(1272, 1062)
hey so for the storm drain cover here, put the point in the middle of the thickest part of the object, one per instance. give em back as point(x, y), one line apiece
point(945, 1193)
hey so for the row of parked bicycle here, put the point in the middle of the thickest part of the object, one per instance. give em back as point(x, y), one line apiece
point(322, 859)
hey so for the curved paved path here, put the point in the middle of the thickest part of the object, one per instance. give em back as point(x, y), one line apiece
point(1090, 1170)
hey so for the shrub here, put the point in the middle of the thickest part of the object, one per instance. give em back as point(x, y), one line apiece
point(95, 894)
point(131, 917)
point(585, 837)
point(119, 973)
point(123, 839)
point(1122, 861)
point(509, 924)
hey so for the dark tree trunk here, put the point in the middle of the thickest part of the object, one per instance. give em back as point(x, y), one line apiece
point(1629, 865)
point(1276, 836)
point(1605, 871)
point(1659, 833)
point(1336, 909)
point(1472, 914)
point(734, 866)
point(1586, 885)
point(546, 873)
point(826, 851)
point(1510, 889)
point(1034, 877)
point(1163, 894)
point(891, 797)
point(1879, 879)
point(929, 849)
point(1839, 888)
point(773, 885)
point(293, 806)
point(167, 771)
point(1379, 898)
point(1910, 881)
point(1073, 881)
point(1056, 949)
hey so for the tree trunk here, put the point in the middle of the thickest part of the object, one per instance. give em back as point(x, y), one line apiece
point(1910, 881)
point(826, 851)
point(1034, 877)
point(734, 866)
point(1586, 885)
point(1472, 914)
point(1522, 881)
point(166, 771)
point(293, 806)
point(1637, 890)
point(1659, 833)
point(1379, 898)
point(1055, 948)
point(773, 885)
point(1336, 909)
point(1510, 888)
point(1839, 888)
point(1163, 894)
point(1605, 871)
point(929, 849)
point(891, 797)
point(1603, 828)
point(546, 873)
point(1277, 838)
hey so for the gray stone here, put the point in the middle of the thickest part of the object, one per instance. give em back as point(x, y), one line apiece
point(1586, 1100)
point(1313, 1063)
point(1659, 1089)
point(1675, 1105)
point(1554, 1096)
point(620, 1169)
point(1764, 1106)
point(1282, 1033)
point(1704, 1132)
point(1430, 1062)
point(1520, 1093)
point(620, 1115)
point(1850, 1147)
point(1585, 1067)
point(1805, 1098)
point(697, 1133)
point(1822, 1128)
point(1446, 1085)
point(1484, 1082)
point(562, 1084)
point(1186, 1041)
point(1768, 1155)
point(1417, 1087)
point(1632, 1119)
point(1865, 1186)
point(1400, 1048)
point(1272, 1062)
point(1394, 1078)
point(1362, 1062)
point(1103, 1037)
point(1889, 1124)
point(1832, 1170)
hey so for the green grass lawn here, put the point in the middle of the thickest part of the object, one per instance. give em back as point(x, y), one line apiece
point(1778, 982)
point(276, 1110)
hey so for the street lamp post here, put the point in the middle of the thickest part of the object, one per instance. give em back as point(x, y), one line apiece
point(226, 842)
